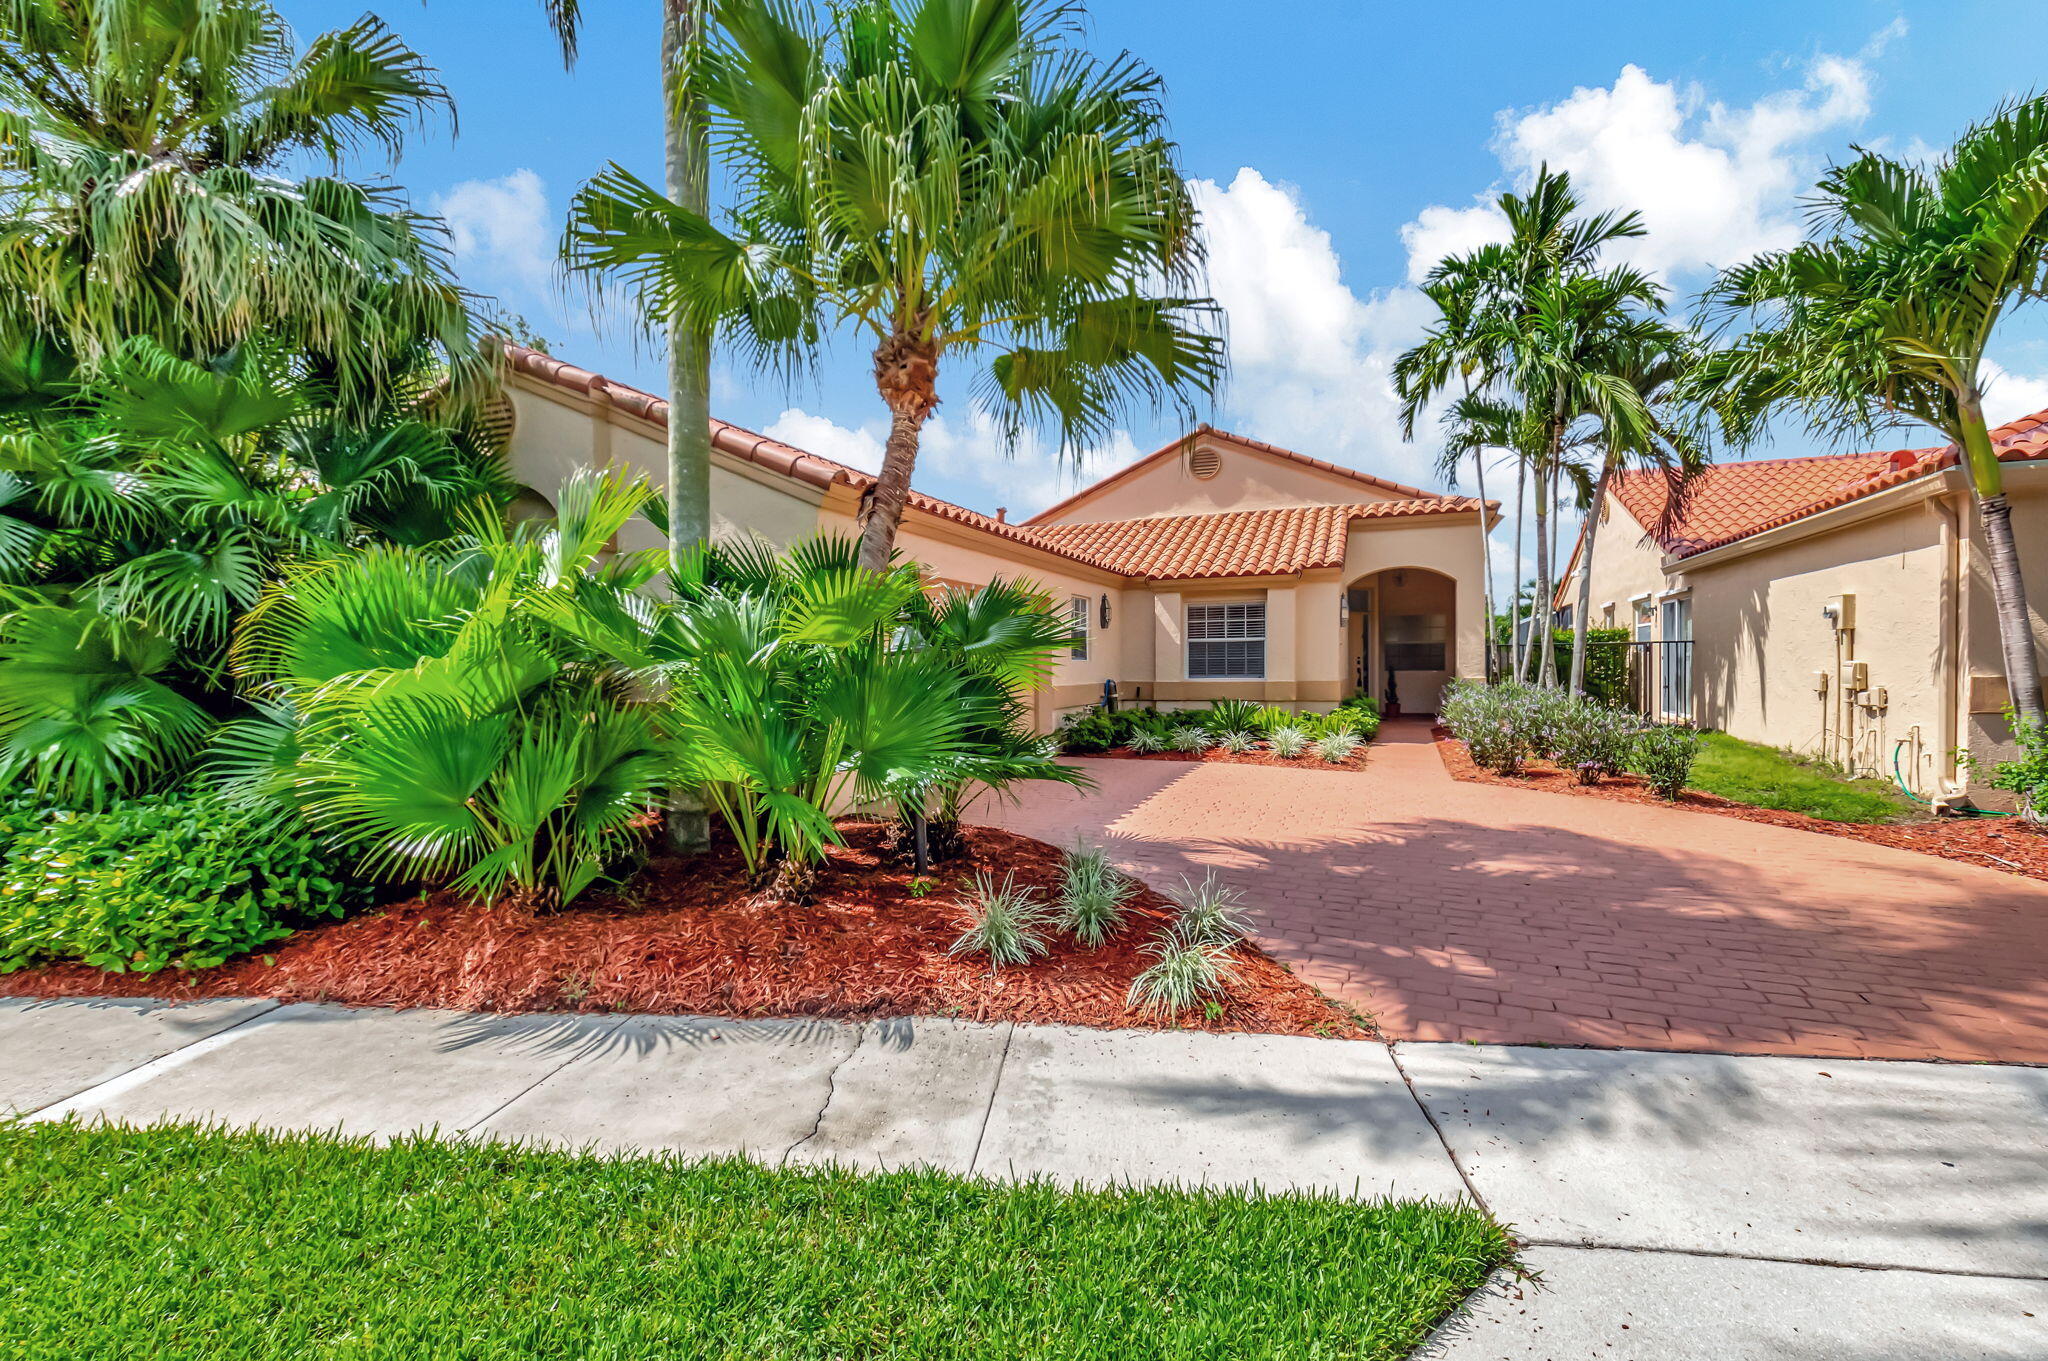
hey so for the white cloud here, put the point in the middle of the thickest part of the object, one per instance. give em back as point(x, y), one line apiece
point(964, 458)
point(503, 229)
point(2009, 396)
point(1311, 360)
point(1715, 183)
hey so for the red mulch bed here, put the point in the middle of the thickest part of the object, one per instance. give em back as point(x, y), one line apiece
point(2005, 844)
point(1356, 761)
point(686, 937)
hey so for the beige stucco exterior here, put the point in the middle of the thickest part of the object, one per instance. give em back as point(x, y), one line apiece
point(1913, 677)
point(1313, 642)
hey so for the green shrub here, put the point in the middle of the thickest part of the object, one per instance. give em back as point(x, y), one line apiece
point(1592, 740)
point(1145, 741)
point(1093, 730)
point(1493, 721)
point(1185, 969)
point(184, 881)
point(1191, 739)
point(1211, 912)
point(1664, 756)
point(1606, 660)
point(1270, 717)
point(1229, 715)
point(1337, 747)
point(1236, 741)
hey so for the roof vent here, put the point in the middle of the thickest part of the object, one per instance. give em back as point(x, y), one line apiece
point(1205, 462)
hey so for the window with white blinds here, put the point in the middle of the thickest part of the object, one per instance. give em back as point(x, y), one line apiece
point(1077, 621)
point(1227, 642)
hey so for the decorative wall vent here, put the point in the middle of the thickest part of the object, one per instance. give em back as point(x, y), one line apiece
point(1205, 462)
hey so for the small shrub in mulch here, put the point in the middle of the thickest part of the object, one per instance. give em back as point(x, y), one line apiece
point(1308, 760)
point(2004, 844)
point(686, 937)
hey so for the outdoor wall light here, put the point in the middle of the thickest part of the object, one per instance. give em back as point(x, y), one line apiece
point(1105, 609)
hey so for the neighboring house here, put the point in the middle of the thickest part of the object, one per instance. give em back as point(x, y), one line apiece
point(1217, 567)
point(1838, 605)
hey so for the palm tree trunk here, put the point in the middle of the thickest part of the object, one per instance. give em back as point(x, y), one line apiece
point(686, 144)
point(1542, 668)
point(1485, 543)
point(1515, 587)
point(2008, 586)
point(906, 374)
point(1579, 616)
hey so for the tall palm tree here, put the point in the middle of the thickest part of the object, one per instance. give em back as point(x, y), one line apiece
point(147, 187)
point(686, 159)
point(1885, 314)
point(944, 176)
point(1482, 297)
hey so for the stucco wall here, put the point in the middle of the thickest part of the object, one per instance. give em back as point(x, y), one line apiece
point(1985, 732)
point(1445, 544)
point(1627, 564)
point(1246, 480)
point(1761, 643)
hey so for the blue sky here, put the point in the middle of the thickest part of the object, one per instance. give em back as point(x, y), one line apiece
point(1340, 148)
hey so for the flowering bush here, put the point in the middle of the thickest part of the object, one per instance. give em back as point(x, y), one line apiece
point(1592, 740)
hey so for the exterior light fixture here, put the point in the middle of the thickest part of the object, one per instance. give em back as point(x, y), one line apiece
point(1343, 608)
point(1105, 609)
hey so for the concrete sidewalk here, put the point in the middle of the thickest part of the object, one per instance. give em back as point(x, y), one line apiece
point(1678, 1206)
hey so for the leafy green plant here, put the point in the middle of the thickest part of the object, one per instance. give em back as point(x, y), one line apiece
point(1185, 971)
point(1664, 755)
point(1089, 732)
point(1211, 911)
point(1288, 742)
point(1491, 720)
point(1592, 740)
point(1189, 739)
point(185, 881)
point(1228, 715)
point(1145, 741)
point(1337, 747)
point(1267, 718)
point(1093, 895)
point(1003, 922)
point(1236, 742)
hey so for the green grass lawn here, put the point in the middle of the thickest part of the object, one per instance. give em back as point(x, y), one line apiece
point(179, 1242)
point(1769, 778)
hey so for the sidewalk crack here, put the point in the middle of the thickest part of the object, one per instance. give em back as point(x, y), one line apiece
point(831, 1090)
point(988, 1111)
point(1471, 1189)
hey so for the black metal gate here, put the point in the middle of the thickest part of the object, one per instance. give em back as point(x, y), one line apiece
point(1657, 677)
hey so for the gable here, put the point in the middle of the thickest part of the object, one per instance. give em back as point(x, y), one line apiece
point(1214, 471)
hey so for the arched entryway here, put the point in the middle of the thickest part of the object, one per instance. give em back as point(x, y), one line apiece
point(1401, 637)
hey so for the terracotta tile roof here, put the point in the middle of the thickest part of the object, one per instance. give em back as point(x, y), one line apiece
point(1221, 544)
point(755, 448)
point(1731, 501)
point(1173, 447)
point(1234, 543)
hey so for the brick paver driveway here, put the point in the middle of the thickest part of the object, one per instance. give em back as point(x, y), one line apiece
point(1468, 911)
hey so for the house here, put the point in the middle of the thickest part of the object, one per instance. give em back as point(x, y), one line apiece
point(1838, 605)
point(1217, 567)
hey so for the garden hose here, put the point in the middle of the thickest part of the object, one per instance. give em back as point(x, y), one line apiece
point(1900, 776)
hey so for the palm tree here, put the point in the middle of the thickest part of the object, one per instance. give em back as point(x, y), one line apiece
point(146, 188)
point(1886, 314)
point(686, 160)
point(943, 176)
point(1482, 298)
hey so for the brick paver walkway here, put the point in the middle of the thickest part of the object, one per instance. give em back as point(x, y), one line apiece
point(1467, 911)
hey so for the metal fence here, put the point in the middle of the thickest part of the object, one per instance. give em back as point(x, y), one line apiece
point(1658, 680)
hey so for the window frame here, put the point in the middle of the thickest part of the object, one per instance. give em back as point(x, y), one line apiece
point(1080, 621)
point(1216, 624)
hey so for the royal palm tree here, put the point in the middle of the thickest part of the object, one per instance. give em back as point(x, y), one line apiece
point(1483, 299)
point(147, 188)
point(943, 176)
point(1885, 315)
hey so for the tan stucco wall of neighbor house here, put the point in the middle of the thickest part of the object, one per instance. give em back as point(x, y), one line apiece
point(1628, 566)
point(1770, 667)
point(555, 432)
point(1986, 734)
point(1245, 479)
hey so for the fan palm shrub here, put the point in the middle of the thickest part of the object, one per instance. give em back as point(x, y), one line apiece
point(149, 503)
point(441, 714)
point(1884, 316)
point(944, 178)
